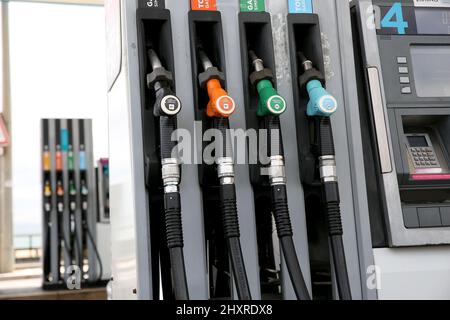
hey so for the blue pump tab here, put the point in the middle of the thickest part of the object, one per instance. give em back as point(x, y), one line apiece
point(321, 103)
point(64, 140)
point(83, 166)
point(300, 6)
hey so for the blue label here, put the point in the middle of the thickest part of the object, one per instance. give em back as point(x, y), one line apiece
point(300, 6)
point(64, 140)
point(83, 166)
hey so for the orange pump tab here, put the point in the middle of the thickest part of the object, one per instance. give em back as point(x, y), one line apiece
point(47, 161)
point(59, 161)
point(221, 105)
point(204, 5)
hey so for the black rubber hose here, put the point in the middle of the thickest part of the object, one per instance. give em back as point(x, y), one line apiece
point(223, 125)
point(175, 243)
point(333, 211)
point(167, 126)
point(340, 263)
point(280, 209)
point(325, 134)
point(284, 228)
point(173, 219)
point(47, 245)
point(230, 218)
point(97, 253)
point(232, 235)
point(180, 291)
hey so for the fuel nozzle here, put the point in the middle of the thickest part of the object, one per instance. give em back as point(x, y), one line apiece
point(161, 80)
point(321, 102)
point(270, 102)
point(220, 105)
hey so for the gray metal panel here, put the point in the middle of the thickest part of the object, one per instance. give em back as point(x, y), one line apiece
point(278, 9)
point(245, 196)
point(131, 259)
point(356, 152)
point(191, 197)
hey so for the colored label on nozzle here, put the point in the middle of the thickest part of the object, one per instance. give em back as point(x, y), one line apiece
point(300, 6)
point(277, 105)
point(253, 6)
point(64, 140)
point(226, 105)
point(83, 166)
point(204, 5)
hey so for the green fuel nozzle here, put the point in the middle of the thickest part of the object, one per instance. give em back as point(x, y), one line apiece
point(270, 102)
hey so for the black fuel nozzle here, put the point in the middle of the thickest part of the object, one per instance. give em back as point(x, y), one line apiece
point(161, 81)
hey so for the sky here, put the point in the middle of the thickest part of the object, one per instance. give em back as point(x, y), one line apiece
point(58, 70)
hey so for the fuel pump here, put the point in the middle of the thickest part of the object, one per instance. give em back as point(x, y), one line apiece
point(72, 198)
point(220, 107)
point(271, 106)
point(47, 220)
point(321, 107)
point(60, 193)
point(166, 108)
point(47, 183)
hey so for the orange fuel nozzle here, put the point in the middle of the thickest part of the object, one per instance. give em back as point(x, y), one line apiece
point(221, 105)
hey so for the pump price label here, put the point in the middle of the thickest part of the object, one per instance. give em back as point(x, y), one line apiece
point(253, 6)
point(300, 6)
point(204, 5)
point(152, 4)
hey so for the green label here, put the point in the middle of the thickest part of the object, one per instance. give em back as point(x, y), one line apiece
point(253, 6)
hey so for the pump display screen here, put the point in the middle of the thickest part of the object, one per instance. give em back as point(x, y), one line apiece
point(431, 66)
point(433, 21)
point(418, 142)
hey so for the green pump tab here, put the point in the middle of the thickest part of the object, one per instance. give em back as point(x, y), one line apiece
point(253, 6)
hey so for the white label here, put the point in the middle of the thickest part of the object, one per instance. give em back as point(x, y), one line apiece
point(432, 3)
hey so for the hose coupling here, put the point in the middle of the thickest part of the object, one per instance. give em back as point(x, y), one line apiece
point(225, 170)
point(277, 171)
point(171, 175)
point(328, 170)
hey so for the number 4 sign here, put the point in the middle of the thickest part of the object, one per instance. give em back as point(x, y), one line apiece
point(4, 135)
point(394, 19)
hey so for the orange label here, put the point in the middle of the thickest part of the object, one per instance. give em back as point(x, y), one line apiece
point(47, 161)
point(204, 5)
point(59, 161)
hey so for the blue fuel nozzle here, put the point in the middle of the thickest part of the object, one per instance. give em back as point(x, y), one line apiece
point(321, 103)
